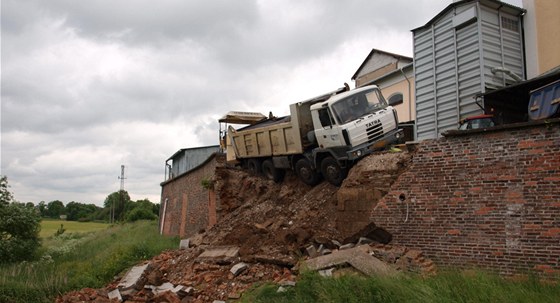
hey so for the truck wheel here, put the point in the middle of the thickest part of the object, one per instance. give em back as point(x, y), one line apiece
point(306, 172)
point(271, 172)
point(332, 171)
point(254, 167)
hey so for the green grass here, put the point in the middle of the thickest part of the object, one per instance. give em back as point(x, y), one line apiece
point(50, 226)
point(82, 259)
point(452, 286)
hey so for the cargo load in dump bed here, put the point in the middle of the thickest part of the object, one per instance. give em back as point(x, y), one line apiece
point(322, 137)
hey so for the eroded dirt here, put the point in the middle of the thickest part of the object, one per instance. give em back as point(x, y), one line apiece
point(271, 224)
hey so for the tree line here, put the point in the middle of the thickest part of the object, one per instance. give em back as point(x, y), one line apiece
point(20, 222)
point(118, 207)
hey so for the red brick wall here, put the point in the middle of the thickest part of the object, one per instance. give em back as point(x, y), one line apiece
point(187, 209)
point(489, 200)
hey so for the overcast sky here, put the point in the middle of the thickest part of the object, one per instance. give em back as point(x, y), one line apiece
point(89, 85)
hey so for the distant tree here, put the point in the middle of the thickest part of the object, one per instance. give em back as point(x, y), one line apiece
point(19, 228)
point(79, 211)
point(141, 210)
point(42, 207)
point(6, 196)
point(118, 202)
point(55, 209)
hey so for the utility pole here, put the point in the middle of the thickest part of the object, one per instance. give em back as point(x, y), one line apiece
point(121, 191)
point(122, 177)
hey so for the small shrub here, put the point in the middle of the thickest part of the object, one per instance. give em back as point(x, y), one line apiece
point(207, 183)
point(60, 230)
point(19, 232)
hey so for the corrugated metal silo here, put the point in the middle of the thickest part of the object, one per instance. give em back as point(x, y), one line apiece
point(472, 46)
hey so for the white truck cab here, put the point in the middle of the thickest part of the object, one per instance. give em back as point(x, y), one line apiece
point(355, 122)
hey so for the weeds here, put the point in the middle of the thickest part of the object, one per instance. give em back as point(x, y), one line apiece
point(445, 287)
point(74, 261)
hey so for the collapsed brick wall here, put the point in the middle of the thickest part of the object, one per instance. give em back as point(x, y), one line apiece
point(187, 210)
point(489, 200)
point(369, 181)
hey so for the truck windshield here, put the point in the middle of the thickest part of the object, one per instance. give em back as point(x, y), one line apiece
point(358, 105)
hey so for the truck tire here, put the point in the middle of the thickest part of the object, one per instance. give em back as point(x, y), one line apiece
point(332, 171)
point(271, 172)
point(306, 172)
point(254, 167)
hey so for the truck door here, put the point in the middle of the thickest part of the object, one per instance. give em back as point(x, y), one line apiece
point(328, 133)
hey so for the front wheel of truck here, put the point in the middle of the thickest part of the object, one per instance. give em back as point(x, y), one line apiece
point(306, 172)
point(271, 172)
point(332, 171)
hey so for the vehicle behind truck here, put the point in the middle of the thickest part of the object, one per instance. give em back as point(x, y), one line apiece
point(321, 138)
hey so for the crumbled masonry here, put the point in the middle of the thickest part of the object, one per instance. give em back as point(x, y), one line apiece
point(265, 230)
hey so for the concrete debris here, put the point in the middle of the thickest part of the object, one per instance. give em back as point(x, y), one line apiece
point(238, 268)
point(287, 283)
point(163, 288)
point(358, 257)
point(282, 289)
point(347, 246)
point(364, 240)
point(184, 244)
point(220, 252)
point(326, 272)
point(312, 251)
point(132, 279)
point(370, 231)
point(115, 294)
point(336, 243)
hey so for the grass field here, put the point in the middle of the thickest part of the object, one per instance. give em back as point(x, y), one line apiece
point(50, 226)
point(81, 257)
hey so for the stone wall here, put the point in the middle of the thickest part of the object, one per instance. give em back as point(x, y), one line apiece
point(189, 204)
point(485, 199)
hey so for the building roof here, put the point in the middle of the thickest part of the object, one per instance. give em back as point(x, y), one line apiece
point(491, 3)
point(182, 150)
point(372, 52)
point(387, 75)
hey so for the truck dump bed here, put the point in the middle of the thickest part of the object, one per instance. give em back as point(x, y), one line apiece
point(272, 137)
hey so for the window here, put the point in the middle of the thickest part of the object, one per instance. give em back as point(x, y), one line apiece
point(511, 24)
point(395, 99)
point(324, 117)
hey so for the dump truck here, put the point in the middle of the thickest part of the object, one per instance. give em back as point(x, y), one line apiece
point(321, 138)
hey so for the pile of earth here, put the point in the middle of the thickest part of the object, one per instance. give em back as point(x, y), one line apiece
point(271, 225)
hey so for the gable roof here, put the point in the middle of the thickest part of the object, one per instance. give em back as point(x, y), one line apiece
point(374, 51)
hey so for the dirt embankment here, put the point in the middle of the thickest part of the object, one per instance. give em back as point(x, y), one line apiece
point(270, 226)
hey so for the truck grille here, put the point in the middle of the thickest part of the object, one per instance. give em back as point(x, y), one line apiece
point(374, 132)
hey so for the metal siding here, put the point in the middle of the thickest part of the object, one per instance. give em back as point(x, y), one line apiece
point(502, 48)
point(468, 70)
point(424, 79)
point(446, 93)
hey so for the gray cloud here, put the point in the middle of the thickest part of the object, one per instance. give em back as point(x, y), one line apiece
point(88, 86)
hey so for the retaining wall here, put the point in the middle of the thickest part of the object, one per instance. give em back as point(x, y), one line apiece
point(485, 199)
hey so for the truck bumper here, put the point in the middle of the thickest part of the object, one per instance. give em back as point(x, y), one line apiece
point(393, 137)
